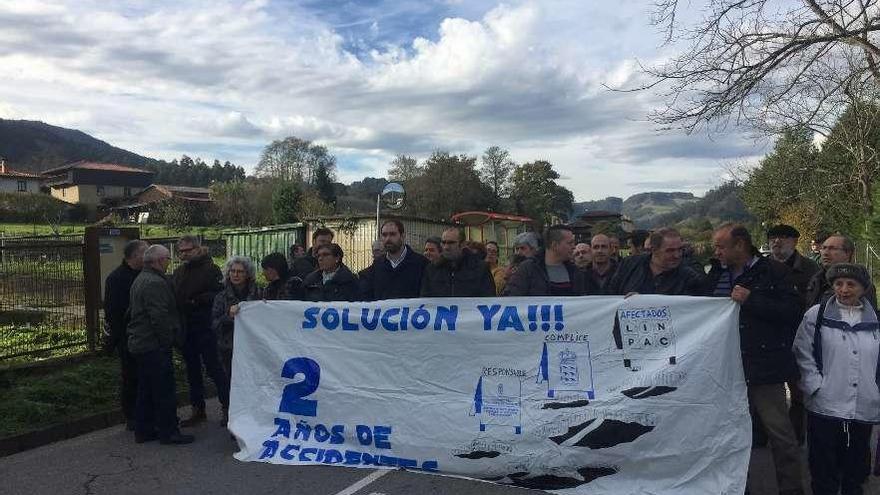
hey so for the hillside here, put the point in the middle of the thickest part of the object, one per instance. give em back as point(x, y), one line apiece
point(721, 204)
point(35, 146)
point(642, 208)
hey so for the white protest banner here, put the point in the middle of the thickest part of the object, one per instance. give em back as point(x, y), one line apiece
point(596, 395)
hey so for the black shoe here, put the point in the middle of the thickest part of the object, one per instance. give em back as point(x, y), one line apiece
point(177, 439)
point(145, 437)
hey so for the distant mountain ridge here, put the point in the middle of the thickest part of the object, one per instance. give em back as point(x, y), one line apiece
point(32, 146)
point(642, 208)
point(656, 209)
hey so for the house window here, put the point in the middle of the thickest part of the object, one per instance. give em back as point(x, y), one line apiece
point(100, 191)
point(22, 186)
point(126, 192)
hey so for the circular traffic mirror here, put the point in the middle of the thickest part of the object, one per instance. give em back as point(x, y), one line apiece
point(393, 196)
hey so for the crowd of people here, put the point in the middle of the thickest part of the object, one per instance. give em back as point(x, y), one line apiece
point(808, 330)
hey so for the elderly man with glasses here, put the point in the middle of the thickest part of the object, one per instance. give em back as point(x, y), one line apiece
point(837, 248)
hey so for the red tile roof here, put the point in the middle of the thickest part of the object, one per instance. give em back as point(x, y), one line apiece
point(85, 165)
point(14, 174)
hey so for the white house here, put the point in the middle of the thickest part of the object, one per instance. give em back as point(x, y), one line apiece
point(13, 181)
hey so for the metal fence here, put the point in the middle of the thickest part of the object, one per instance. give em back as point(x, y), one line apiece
point(42, 295)
point(257, 243)
point(216, 248)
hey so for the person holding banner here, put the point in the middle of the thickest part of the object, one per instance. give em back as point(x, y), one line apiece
point(770, 309)
point(837, 351)
point(332, 281)
point(239, 284)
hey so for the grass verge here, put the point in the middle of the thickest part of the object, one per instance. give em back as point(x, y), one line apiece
point(34, 399)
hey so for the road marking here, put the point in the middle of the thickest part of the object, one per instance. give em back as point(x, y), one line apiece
point(364, 482)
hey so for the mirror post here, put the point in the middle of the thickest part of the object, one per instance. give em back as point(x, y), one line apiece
point(378, 200)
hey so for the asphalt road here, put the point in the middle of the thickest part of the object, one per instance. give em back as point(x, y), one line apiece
point(109, 462)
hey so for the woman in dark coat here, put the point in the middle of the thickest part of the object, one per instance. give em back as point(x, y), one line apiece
point(282, 284)
point(332, 281)
point(239, 284)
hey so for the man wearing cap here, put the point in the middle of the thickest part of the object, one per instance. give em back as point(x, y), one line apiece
point(783, 248)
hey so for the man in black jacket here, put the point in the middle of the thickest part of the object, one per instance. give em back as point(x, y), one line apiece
point(783, 248)
point(304, 265)
point(658, 272)
point(836, 248)
point(770, 311)
point(398, 273)
point(550, 272)
point(196, 282)
point(457, 273)
point(117, 287)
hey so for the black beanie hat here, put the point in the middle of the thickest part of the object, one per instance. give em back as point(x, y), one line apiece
point(849, 270)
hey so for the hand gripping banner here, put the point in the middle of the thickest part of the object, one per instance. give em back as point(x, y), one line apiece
point(595, 395)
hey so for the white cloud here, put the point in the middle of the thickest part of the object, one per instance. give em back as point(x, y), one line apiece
point(225, 77)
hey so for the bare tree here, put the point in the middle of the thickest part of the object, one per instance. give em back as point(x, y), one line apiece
point(772, 64)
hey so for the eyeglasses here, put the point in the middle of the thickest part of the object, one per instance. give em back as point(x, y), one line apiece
point(237, 272)
point(448, 243)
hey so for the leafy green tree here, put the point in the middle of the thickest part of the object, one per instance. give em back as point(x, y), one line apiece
point(324, 185)
point(448, 184)
point(294, 159)
point(404, 168)
point(537, 194)
point(285, 202)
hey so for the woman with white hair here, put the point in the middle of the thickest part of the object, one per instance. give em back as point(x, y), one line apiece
point(239, 284)
point(837, 348)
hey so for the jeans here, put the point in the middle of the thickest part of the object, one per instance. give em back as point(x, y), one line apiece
point(156, 408)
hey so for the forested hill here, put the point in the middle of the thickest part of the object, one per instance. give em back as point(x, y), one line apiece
point(720, 204)
point(31, 146)
point(642, 208)
point(36, 146)
point(655, 209)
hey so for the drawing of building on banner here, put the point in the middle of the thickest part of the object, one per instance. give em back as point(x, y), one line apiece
point(498, 402)
point(567, 367)
point(645, 334)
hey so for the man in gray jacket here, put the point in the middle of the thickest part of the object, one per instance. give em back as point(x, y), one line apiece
point(152, 330)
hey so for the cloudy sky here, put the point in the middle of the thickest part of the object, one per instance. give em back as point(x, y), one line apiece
point(369, 79)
